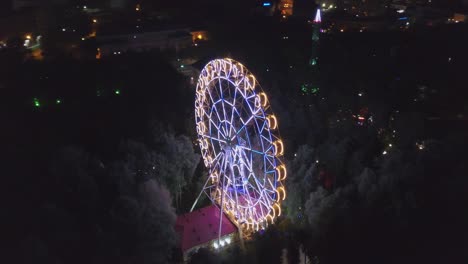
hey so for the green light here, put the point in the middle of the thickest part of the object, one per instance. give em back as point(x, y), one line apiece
point(36, 102)
point(306, 90)
point(58, 101)
point(117, 92)
point(182, 66)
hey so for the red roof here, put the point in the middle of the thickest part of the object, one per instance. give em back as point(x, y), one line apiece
point(201, 226)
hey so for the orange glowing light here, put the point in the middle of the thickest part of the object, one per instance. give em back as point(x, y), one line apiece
point(281, 194)
point(98, 54)
point(277, 206)
point(269, 218)
point(263, 99)
point(272, 122)
point(282, 173)
point(278, 147)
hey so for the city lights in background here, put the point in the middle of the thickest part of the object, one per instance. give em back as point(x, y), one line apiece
point(327, 7)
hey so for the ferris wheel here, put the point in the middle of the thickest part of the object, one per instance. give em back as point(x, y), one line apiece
point(239, 141)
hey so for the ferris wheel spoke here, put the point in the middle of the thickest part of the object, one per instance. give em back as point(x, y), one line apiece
point(273, 186)
point(215, 103)
point(259, 186)
point(247, 162)
point(217, 113)
point(211, 97)
point(218, 129)
point(222, 99)
point(253, 150)
point(267, 140)
point(214, 138)
point(233, 108)
point(245, 123)
point(225, 119)
point(244, 126)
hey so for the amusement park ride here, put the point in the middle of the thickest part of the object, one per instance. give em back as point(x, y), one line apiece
point(240, 144)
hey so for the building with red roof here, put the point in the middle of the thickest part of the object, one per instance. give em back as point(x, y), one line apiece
point(200, 229)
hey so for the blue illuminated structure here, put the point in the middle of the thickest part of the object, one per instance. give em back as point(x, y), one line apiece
point(239, 141)
point(266, 4)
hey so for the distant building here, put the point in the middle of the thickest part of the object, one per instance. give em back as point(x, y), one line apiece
point(200, 228)
point(458, 17)
point(199, 35)
point(174, 39)
point(286, 7)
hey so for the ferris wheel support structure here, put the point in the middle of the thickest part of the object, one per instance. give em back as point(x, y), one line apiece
point(240, 144)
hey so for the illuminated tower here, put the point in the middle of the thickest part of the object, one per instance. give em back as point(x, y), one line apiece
point(311, 84)
point(315, 39)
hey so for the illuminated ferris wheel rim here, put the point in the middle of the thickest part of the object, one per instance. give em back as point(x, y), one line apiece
point(240, 144)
